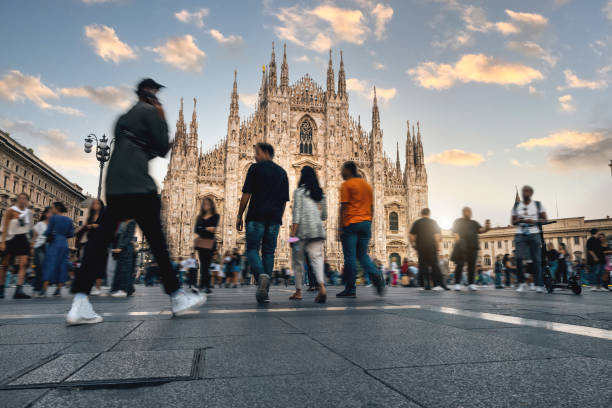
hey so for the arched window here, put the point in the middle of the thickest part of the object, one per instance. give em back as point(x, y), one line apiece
point(393, 222)
point(305, 138)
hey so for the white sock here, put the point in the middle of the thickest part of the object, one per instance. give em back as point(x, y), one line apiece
point(80, 296)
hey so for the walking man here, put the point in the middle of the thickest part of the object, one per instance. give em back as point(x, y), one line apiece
point(595, 256)
point(466, 232)
point(266, 191)
point(425, 238)
point(526, 215)
point(140, 135)
point(355, 230)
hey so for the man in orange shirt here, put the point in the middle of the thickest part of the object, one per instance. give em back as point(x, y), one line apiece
point(355, 224)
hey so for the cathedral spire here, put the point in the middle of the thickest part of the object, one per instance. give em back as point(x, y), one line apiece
point(419, 150)
point(397, 160)
point(341, 78)
point(193, 130)
point(272, 70)
point(375, 113)
point(264, 84)
point(234, 102)
point(330, 76)
point(284, 77)
point(181, 132)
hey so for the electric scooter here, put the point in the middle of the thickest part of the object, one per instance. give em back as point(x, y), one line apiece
point(573, 281)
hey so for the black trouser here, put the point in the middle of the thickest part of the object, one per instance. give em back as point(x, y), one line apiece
point(205, 256)
point(508, 276)
point(470, 256)
point(429, 259)
point(145, 210)
point(561, 272)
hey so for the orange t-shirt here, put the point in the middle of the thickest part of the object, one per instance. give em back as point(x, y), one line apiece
point(356, 193)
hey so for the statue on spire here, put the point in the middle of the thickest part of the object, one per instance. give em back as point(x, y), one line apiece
point(330, 76)
point(284, 78)
point(341, 78)
point(272, 70)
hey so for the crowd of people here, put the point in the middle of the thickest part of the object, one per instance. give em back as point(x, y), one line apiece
point(106, 241)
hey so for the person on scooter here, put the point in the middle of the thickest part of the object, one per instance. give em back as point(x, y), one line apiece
point(526, 215)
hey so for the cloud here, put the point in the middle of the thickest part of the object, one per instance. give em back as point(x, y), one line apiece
point(364, 89)
point(573, 82)
point(99, 1)
point(456, 157)
point(192, 17)
point(232, 41)
point(561, 2)
point(379, 66)
point(303, 58)
point(531, 49)
point(608, 10)
point(248, 99)
point(455, 41)
point(566, 138)
point(182, 53)
point(325, 25)
point(565, 102)
point(107, 44)
point(517, 163)
point(112, 96)
point(527, 18)
point(59, 151)
point(473, 68)
point(16, 86)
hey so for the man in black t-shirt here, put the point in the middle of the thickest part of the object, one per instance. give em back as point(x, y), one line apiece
point(266, 191)
point(594, 257)
point(425, 238)
point(466, 232)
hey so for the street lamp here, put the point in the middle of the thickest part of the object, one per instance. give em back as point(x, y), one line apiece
point(103, 148)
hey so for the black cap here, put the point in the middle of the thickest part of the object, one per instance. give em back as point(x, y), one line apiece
point(148, 83)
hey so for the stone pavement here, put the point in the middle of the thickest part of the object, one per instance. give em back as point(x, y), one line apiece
point(492, 348)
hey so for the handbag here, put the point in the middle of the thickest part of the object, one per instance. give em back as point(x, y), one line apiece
point(203, 243)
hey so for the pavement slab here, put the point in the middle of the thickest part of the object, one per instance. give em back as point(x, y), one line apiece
point(60, 333)
point(56, 370)
point(17, 357)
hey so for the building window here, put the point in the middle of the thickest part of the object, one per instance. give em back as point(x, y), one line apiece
point(305, 138)
point(16, 168)
point(393, 222)
point(499, 244)
point(445, 244)
point(487, 260)
point(576, 240)
point(486, 245)
point(5, 181)
point(14, 186)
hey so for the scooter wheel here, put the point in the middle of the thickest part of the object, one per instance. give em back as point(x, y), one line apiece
point(577, 289)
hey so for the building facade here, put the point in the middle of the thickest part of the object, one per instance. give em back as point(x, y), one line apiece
point(22, 171)
point(307, 125)
point(573, 232)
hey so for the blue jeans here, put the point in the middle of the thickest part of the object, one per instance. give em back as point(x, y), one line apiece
point(529, 247)
point(261, 236)
point(596, 272)
point(355, 239)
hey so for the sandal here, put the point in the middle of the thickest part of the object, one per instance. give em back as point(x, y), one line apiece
point(295, 296)
point(321, 298)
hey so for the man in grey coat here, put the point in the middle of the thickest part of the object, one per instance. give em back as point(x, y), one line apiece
point(140, 135)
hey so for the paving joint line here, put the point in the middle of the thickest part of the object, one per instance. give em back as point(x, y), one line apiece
point(33, 367)
point(470, 363)
point(365, 371)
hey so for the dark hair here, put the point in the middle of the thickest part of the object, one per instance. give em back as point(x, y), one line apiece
point(59, 206)
point(44, 213)
point(425, 211)
point(23, 193)
point(213, 207)
point(90, 219)
point(266, 148)
point(308, 179)
point(594, 231)
point(350, 166)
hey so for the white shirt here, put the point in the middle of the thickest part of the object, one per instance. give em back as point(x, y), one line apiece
point(41, 238)
point(188, 264)
point(529, 212)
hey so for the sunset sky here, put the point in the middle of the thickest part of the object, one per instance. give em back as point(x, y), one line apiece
point(507, 92)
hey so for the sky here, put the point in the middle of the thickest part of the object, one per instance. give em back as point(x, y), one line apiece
point(506, 92)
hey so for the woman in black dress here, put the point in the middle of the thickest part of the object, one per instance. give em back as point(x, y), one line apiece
point(86, 233)
point(206, 225)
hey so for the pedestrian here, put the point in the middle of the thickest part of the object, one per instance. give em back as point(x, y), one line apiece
point(552, 258)
point(39, 243)
point(355, 230)
point(190, 269)
point(528, 215)
point(14, 243)
point(266, 191)
point(309, 213)
point(227, 268)
point(465, 251)
point(425, 239)
point(499, 269)
point(235, 267)
point(123, 281)
point(55, 266)
point(564, 259)
point(140, 135)
point(206, 244)
point(507, 269)
point(606, 261)
point(86, 232)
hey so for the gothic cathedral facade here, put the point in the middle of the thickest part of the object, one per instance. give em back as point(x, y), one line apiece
point(307, 125)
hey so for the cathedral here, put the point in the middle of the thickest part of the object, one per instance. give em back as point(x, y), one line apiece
point(307, 125)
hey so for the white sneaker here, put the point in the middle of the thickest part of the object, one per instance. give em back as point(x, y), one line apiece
point(95, 292)
point(532, 286)
point(438, 289)
point(119, 294)
point(539, 289)
point(472, 287)
point(521, 287)
point(184, 302)
point(595, 289)
point(457, 287)
point(369, 285)
point(82, 312)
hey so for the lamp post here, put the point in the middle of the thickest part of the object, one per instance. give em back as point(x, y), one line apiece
point(103, 148)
